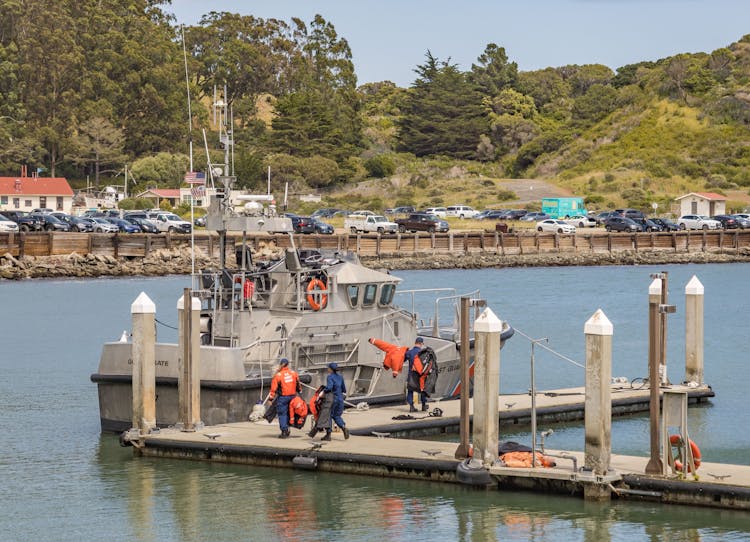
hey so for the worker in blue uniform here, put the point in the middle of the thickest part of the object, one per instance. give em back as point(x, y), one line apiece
point(335, 385)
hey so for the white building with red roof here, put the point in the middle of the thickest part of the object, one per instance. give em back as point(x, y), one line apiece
point(702, 203)
point(29, 193)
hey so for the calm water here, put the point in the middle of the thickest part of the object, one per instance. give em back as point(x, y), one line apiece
point(61, 480)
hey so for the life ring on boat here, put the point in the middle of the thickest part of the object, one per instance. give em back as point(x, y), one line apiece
point(675, 440)
point(248, 288)
point(316, 297)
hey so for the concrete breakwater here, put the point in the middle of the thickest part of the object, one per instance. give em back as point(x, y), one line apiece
point(178, 261)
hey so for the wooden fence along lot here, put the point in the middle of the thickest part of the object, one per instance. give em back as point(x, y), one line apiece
point(458, 243)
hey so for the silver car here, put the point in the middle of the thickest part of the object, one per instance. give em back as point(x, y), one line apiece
point(7, 225)
point(102, 225)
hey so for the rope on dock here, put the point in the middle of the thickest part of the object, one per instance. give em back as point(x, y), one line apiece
point(558, 354)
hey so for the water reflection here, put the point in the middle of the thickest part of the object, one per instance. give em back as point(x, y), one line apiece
point(185, 500)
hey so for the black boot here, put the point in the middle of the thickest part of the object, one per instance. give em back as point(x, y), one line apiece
point(284, 434)
point(425, 408)
point(313, 432)
point(328, 435)
point(412, 408)
point(346, 433)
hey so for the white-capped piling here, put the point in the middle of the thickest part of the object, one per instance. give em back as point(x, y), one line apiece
point(143, 353)
point(487, 330)
point(598, 331)
point(654, 465)
point(694, 331)
point(188, 362)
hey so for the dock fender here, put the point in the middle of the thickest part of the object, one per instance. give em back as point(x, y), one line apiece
point(472, 472)
point(305, 462)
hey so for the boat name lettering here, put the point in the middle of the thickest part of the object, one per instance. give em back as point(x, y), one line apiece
point(158, 362)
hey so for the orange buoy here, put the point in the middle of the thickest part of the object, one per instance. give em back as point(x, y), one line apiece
point(675, 440)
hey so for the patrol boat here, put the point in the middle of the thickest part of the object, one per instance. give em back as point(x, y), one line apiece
point(308, 306)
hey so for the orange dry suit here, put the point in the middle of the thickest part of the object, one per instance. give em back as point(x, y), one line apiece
point(297, 412)
point(287, 380)
point(394, 355)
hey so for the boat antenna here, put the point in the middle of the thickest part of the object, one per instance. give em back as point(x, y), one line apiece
point(190, 152)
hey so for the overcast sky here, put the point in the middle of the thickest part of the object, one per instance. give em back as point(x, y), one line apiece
point(389, 38)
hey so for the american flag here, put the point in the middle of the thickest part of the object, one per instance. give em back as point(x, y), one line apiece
point(195, 177)
point(198, 191)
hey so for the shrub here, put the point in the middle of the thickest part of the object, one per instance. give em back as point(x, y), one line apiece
point(506, 195)
point(130, 204)
point(593, 199)
point(380, 166)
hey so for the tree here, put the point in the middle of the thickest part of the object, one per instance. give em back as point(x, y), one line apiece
point(99, 143)
point(493, 72)
point(442, 113)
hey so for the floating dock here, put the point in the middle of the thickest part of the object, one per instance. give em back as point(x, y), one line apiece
point(372, 450)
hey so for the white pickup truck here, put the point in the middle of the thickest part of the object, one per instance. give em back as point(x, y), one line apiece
point(370, 223)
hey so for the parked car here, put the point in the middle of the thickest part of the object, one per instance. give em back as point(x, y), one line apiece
point(534, 216)
point(697, 222)
point(403, 210)
point(516, 214)
point(200, 221)
point(7, 225)
point(553, 225)
point(495, 214)
point(630, 213)
point(76, 224)
point(728, 222)
point(437, 211)
point(50, 223)
point(102, 225)
point(602, 217)
point(647, 224)
point(364, 212)
point(743, 220)
point(172, 223)
point(125, 226)
point(43, 210)
point(620, 223)
point(320, 226)
point(581, 221)
point(460, 211)
point(421, 222)
point(301, 224)
point(146, 225)
point(372, 224)
point(325, 212)
point(24, 220)
point(666, 225)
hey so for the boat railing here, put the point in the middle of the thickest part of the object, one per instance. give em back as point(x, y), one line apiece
point(263, 353)
point(451, 299)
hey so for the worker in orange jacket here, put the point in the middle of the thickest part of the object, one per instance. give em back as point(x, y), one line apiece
point(394, 355)
point(286, 383)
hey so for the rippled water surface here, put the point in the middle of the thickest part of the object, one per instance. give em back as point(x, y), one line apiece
point(61, 480)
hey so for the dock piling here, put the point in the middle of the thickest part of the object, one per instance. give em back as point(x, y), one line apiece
point(487, 330)
point(143, 312)
point(188, 380)
point(462, 452)
point(694, 331)
point(654, 465)
point(598, 331)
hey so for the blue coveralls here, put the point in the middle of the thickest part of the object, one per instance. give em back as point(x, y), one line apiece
point(282, 411)
point(335, 384)
point(409, 357)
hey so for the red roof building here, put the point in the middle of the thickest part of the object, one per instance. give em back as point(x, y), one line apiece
point(172, 195)
point(29, 193)
point(702, 203)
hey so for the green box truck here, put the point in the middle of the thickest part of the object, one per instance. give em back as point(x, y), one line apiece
point(563, 207)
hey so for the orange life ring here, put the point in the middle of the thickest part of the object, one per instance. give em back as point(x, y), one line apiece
point(315, 296)
point(674, 440)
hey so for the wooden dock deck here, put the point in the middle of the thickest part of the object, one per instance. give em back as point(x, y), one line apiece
point(370, 451)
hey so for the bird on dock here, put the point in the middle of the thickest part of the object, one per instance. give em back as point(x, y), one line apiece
point(718, 476)
point(316, 446)
point(509, 405)
point(432, 453)
point(212, 436)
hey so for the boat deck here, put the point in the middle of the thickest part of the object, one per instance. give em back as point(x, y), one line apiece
point(371, 450)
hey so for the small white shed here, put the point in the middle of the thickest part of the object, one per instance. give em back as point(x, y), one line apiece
point(702, 203)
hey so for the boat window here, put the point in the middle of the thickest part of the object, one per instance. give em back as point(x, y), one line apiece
point(386, 294)
point(353, 293)
point(369, 297)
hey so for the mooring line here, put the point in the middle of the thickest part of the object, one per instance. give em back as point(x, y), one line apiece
point(558, 354)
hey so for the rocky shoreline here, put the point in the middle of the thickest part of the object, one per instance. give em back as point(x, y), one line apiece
point(177, 262)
